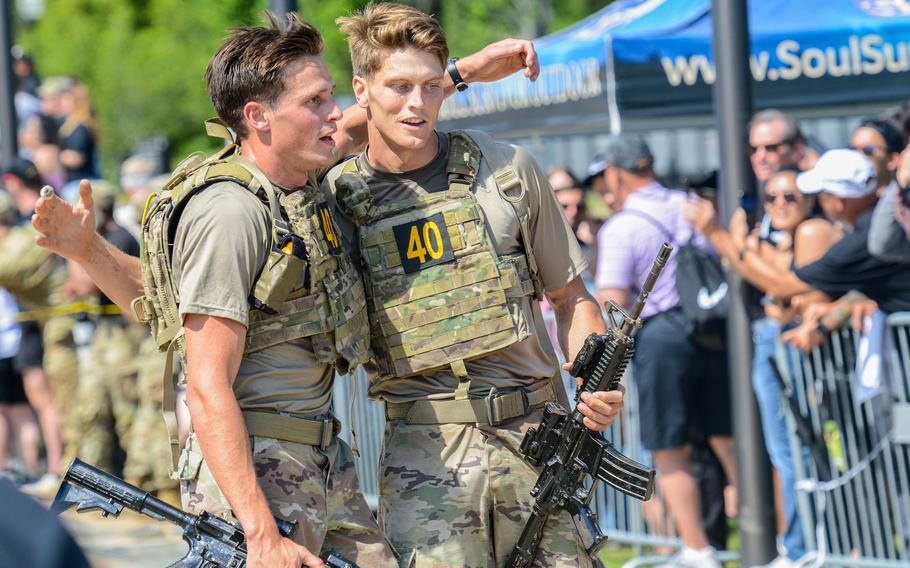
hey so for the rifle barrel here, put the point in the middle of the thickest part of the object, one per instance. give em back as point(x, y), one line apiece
point(659, 263)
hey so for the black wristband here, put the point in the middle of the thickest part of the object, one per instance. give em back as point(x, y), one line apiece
point(821, 327)
point(452, 70)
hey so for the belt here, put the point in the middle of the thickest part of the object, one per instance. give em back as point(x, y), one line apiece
point(319, 432)
point(495, 409)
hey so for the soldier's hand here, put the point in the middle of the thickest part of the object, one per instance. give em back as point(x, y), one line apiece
point(601, 407)
point(268, 552)
point(64, 228)
point(499, 60)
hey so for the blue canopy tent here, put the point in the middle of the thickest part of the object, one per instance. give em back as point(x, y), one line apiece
point(651, 58)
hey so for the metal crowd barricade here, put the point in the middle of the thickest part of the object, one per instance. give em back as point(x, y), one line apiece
point(862, 516)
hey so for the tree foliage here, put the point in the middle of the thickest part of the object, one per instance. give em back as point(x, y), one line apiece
point(143, 60)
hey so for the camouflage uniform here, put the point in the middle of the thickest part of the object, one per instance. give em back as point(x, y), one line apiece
point(36, 278)
point(106, 396)
point(61, 363)
point(306, 314)
point(452, 289)
point(148, 458)
point(447, 490)
point(318, 489)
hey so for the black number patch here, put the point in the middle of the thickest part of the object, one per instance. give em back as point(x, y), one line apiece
point(328, 228)
point(423, 243)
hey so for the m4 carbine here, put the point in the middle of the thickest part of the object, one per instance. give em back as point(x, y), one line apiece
point(213, 541)
point(569, 453)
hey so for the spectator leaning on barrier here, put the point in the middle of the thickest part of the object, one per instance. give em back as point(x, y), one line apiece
point(846, 184)
point(681, 385)
point(802, 239)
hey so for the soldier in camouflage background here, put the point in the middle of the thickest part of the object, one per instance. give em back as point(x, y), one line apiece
point(458, 238)
point(36, 278)
point(258, 364)
point(105, 400)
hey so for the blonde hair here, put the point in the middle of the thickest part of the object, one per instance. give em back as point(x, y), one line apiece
point(379, 28)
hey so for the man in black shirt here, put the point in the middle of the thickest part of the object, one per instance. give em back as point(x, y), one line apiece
point(846, 183)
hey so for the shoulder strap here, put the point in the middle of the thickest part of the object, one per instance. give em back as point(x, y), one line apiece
point(507, 182)
point(512, 191)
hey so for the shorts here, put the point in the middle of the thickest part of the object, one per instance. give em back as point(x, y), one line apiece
point(683, 389)
point(11, 388)
point(31, 347)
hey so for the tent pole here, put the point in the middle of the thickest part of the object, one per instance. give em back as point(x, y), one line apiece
point(9, 147)
point(732, 107)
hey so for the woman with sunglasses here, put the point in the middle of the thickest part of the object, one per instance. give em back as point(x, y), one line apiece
point(800, 238)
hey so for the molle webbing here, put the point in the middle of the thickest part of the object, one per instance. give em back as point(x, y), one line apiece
point(439, 293)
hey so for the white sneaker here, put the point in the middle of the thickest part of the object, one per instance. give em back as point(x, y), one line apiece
point(691, 558)
point(46, 486)
point(779, 562)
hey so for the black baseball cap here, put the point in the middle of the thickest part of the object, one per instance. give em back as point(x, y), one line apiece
point(26, 172)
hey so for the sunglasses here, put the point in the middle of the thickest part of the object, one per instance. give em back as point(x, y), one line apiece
point(868, 151)
point(770, 147)
point(791, 198)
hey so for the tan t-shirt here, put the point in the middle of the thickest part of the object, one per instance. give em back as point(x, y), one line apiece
point(221, 242)
point(558, 255)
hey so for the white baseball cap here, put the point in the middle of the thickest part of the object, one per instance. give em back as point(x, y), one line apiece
point(843, 173)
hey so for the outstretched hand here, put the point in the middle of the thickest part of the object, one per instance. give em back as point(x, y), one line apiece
point(499, 60)
point(65, 228)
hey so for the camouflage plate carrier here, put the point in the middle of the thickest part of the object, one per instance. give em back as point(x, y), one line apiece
point(308, 287)
point(438, 292)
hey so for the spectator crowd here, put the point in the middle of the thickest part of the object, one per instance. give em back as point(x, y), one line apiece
point(828, 247)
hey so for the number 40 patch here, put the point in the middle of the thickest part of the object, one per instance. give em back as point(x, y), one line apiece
point(423, 243)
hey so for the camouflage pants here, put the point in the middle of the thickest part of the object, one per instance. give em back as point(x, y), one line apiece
point(62, 367)
point(105, 401)
point(148, 454)
point(301, 483)
point(458, 495)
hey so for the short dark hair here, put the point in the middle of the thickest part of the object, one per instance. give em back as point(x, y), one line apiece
point(250, 65)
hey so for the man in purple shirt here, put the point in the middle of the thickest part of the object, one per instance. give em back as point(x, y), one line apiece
point(683, 388)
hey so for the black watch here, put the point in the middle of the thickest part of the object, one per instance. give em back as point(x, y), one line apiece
point(452, 70)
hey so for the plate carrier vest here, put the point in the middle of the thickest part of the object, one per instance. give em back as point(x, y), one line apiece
point(307, 288)
point(438, 292)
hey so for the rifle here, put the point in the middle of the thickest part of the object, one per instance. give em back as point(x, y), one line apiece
point(213, 541)
point(570, 453)
point(804, 431)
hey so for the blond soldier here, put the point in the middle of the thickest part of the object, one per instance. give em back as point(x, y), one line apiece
point(458, 239)
point(268, 303)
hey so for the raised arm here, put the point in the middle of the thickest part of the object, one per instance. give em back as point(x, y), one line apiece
point(69, 230)
point(495, 61)
point(743, 259)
